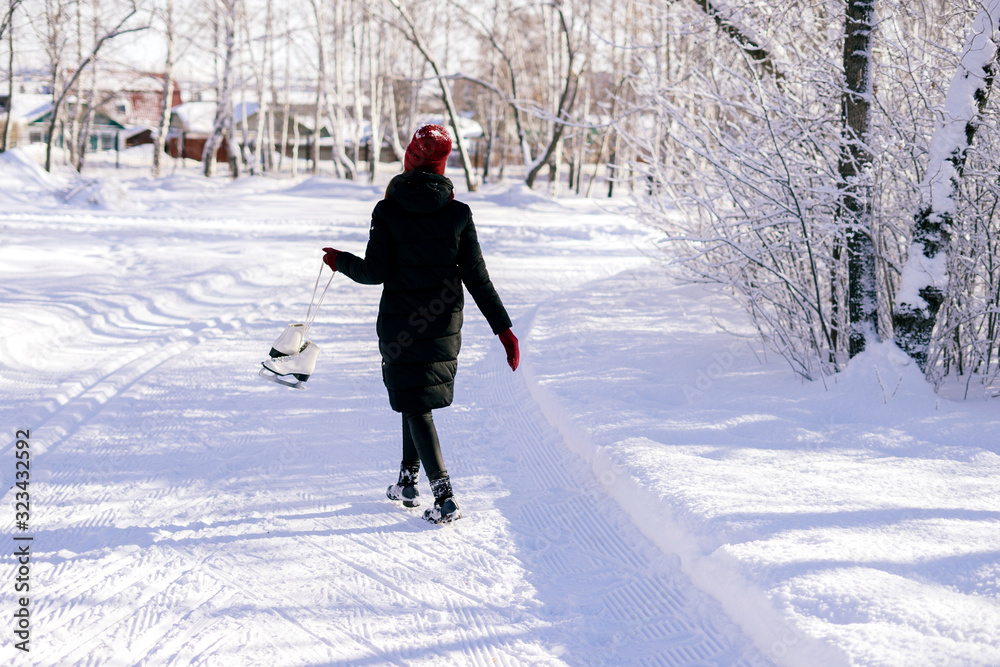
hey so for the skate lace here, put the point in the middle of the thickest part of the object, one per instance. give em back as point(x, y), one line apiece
point(310, 314)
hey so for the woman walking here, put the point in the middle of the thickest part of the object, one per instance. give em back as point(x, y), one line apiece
point(422, 247)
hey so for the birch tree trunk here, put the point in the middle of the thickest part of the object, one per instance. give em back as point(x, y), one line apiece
point(375, 86)
point(854, 169)
point(286, 112)
point(318, 111)
point(322, 102)
point(296, 138)
point(272, 91)
point(168, 92)
point(83, 136)
point(319, 12)
point(580, 149)
point(226, 10)
point(9, 25)
point(924, 277)
point(335, 108)
point(83, 139)
point(77, 112)
point(397, 146)
point(358, 31)
point(236, 158)
point(554, 69)
point(260, 139)
point(55, 63)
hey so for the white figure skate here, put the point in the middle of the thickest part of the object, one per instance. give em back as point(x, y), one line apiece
point(291, 341)
point(299, 366)
point(292, 356)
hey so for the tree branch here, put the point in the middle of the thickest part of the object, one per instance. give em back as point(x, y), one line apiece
point(8, 17)
point(755, 51)
point(449, 102)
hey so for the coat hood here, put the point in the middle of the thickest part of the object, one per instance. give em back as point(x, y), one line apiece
point(420, 191)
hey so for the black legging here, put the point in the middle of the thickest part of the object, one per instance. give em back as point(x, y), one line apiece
point(421, 445)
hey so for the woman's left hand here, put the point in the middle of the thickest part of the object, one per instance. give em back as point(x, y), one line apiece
point(509, 341)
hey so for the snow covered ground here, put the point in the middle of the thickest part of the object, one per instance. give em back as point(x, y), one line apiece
point(645, 490)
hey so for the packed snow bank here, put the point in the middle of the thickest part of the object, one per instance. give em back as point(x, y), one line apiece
point(21, 179)
point(327, 187)
point(24, 183)
point(845, 522)
point(107, 193)
point(517, 195)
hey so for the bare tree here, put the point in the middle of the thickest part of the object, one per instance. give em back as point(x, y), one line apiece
point(261, 61)
point(393, 127)
point(570, 77)
point(78, 109)
point(54, 34)
point(159, 147)
point(55, 41)
point(854, 168)
point(376, 60)
point(561, 68)
point(414, 37)
point(357, 27)
point(287, 107)
point(325, 107)
point(226, 12)
point(508, 55)
point(319, 13)
point(84, 119)
point(7, 25)
point(264, 144)
point(337, 102)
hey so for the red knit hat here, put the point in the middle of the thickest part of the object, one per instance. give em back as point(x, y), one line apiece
point(428, 150)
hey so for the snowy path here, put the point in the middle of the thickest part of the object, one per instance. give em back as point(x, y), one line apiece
point(185, 513)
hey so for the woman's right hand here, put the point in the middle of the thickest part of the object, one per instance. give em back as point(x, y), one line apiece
point(330, 258)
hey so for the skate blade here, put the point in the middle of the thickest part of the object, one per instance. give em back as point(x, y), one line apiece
point(278, 379)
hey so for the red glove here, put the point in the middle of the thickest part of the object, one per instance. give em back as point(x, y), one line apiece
point(331, 257)
point(509, 341)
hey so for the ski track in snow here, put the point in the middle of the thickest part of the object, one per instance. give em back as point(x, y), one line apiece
point(185, 513)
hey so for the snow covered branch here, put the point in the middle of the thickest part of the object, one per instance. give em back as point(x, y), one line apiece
point(925, 278)
point(749, 45)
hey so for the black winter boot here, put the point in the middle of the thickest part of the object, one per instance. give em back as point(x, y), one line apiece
point(445, 508)
point(406, 488)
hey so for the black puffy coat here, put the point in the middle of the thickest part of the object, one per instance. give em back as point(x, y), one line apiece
point(422, 247)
